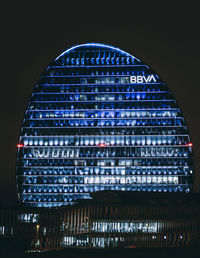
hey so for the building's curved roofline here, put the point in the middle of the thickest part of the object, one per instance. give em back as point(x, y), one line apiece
point(89, 44)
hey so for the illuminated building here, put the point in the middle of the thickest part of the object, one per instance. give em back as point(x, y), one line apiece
point(100, 119)
point(109, 220)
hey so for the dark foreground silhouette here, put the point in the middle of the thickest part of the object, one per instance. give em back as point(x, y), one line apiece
point(109, 253)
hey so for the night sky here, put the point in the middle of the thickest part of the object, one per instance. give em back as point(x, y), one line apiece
point(164, 36)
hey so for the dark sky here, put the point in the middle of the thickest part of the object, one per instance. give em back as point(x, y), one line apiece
point(165, 36)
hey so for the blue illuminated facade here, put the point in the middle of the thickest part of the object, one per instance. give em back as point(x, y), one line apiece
point(100, 119)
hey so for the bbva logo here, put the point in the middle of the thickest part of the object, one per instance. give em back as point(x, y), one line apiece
point(142, 79)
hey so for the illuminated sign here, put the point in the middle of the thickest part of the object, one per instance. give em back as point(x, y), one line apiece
point(142, 79)
point(55, 152)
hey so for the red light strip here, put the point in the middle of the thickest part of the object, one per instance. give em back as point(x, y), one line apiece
point(20, 145)
point(102, 144)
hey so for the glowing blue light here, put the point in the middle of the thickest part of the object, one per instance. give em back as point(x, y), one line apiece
point(101, 129)
point(95, 45)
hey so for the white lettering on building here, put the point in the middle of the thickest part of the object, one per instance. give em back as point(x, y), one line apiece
point(142, 79)
point(55, 153)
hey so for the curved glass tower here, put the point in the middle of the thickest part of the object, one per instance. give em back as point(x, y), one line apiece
point(100, 119)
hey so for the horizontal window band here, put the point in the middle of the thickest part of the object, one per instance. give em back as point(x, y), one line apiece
point(100, 175)
point(101, 84)
point(105, 118)
point(98, 66)
point(101, 101)
point(113, 110)
point(108, 167)
point(108, 158)
point(99, 92)
point(106, 135)
point(111, 127)
point(130, 146)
